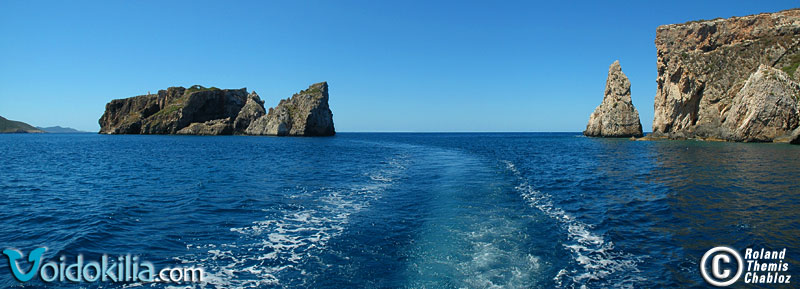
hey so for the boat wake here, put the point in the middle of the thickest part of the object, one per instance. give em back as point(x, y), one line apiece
point(471, 236)
point(276, 251)
point(596, 259)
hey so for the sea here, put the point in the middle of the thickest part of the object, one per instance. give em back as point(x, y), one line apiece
point(396, 210)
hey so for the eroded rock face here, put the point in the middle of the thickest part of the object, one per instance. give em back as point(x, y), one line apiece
point(252, 110)
point(616, 116)
point(304, 114)
point(212, 111)
point(211, 127)
point(702, 66)
point(170, 110)
point(765, 109)
point(794, 137)
point(276, 122)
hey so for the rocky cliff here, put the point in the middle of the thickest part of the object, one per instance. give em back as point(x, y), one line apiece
point(710, 85)
point(765, 109)
point(305, 113)
point(615, 116)
point(212, 111)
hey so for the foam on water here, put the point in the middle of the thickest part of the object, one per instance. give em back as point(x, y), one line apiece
point(269, 249)
point(596, 258)
point(495, 265)
point(468, 239)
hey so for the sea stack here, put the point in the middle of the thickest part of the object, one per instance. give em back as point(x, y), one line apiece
point(729, 79)
point(616, 116)
point(212, 111)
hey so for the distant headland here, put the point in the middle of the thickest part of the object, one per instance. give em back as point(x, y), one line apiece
point(12, 126)
point(60, 129)
point(211, 111)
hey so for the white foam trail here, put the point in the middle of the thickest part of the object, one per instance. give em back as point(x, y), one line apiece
point(592, 252)
point(467, 242)
point(494, 265)
point(270, 247)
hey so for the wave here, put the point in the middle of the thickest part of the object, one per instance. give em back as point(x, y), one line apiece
point(270, 249)
point(596, 259)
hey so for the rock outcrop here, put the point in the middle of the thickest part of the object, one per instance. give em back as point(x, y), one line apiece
point(704, 66)
point(171, 110)
point(765, 109)
point(211, 127)
point(794, 137)
point(252, 110)
point(616, 116)
point(305, 113)
point(212, 111)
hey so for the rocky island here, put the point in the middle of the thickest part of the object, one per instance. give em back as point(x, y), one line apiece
point(212, 111)
point(616, 116)
point(732, 79)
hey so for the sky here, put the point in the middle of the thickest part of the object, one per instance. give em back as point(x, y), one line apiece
point(410, 66)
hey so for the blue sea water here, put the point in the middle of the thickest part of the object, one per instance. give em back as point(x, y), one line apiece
point(399, 210)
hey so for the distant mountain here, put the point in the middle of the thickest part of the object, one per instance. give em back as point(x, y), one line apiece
point(58, 129)
point(10, 126)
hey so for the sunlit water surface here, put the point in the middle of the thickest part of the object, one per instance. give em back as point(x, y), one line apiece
point(506, 210)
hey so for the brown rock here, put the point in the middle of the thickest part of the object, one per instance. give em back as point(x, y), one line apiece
point(702, 65)
point(304, 114)
point(211, 127)
point(616, 116)
point(212, 111)
point(170, 110)
point(252, 110)
point(765, 109)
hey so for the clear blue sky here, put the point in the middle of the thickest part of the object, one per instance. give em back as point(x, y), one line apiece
point(391, 65)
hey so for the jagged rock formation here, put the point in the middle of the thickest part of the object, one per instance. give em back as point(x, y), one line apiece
point(252, 110)
point(793, 138)
point(616, 116)
point(170, 110)
point(211, 127)
point(765, 109)
point(11, 126)
point(704, 66)
point(305, 113)
point(211, 111)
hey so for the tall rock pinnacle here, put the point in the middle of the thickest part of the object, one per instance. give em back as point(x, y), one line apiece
point(616, 116)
